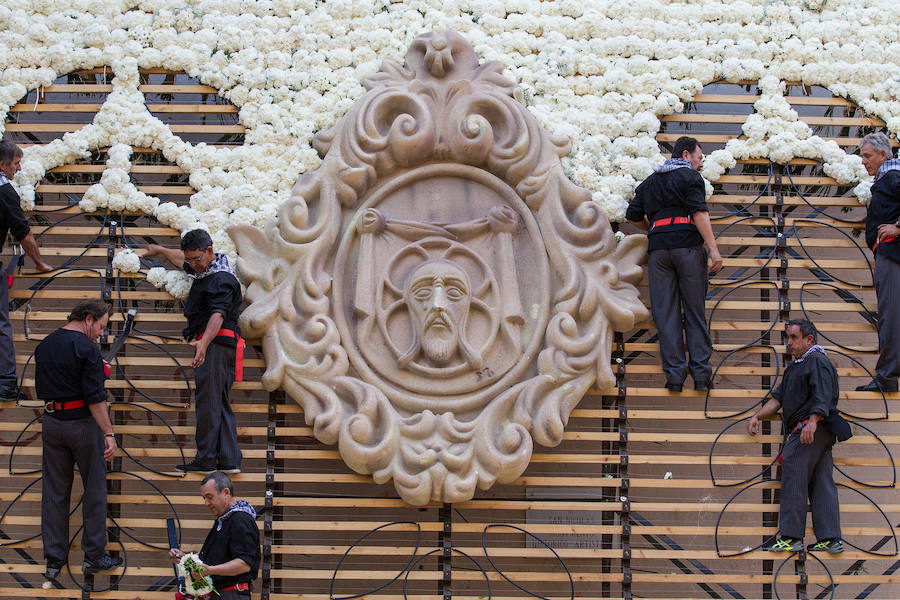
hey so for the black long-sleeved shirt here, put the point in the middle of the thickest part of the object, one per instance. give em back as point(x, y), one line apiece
point(884, 208)
point(676, 193)
point(68, 366)
point(238, 538)
point(12, 219)
point(810, 386)
point(216, 293)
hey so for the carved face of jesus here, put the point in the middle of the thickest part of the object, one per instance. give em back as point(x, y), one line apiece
point(438, 297)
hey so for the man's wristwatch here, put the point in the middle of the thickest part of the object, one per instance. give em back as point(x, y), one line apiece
point(110, 434)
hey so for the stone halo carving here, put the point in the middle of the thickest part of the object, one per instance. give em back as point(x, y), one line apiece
point(462, 386)
point(438, 295)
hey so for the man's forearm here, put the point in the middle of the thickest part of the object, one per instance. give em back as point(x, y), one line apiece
point(173, 255)
point(212, 328)
point(235, 566)
point(29, 244)
point(701, 221)
point(643, 225)
point(101, 414)
point(768, 409)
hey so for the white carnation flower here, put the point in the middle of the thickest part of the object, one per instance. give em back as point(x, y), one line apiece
point(127, 261)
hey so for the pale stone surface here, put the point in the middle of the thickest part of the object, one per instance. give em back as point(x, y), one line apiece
point(438, 295)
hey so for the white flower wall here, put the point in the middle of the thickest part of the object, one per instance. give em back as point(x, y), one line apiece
point(602, 73)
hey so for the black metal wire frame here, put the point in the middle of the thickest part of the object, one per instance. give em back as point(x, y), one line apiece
point(45, 282)
point(184, 376)
point(737, 483)
point(755, 404)
point(744, 209)
point(796, 233)
point(487, 555)
point(113, 581)
point(15, 444)
point(771, 255)
point(761, 285)
point(842, 485)
point(846, 296)
point(887, 450)
point(785, 561)
point(458, 551)
point(164, 496)
point(412, 560)
point(883, 398)
point(171, 431)
point(11, 504)
point(816, 210)
point(719, 521)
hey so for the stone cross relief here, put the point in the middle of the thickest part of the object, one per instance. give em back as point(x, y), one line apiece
point(437, 295)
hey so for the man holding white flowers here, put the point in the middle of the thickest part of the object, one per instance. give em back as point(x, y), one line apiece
point(671, 206)
point(211, 310)
point(12, 220)
point(883, 237)
point(230, 553)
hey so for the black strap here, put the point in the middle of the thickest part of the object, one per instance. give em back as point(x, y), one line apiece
point(123, 335)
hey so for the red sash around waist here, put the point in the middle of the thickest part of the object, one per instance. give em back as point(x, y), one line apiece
point(239, 351)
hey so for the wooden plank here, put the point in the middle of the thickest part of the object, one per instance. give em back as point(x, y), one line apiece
point(93, 108)
point(70, 127)
point(739, 119)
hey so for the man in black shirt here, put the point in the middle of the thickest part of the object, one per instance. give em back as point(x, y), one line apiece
point(882, 235)
point(69, 377)
point(671, 206)
point(807, 395)
point(12, 220)
point(230, 552)
point(211, 310)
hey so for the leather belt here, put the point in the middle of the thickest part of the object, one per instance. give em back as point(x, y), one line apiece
point(54, 406)
point(672, 221)
point(239, 351)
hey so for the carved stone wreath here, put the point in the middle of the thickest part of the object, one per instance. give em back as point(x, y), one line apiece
point(438, 294)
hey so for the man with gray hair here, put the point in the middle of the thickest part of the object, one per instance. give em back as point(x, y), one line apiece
point(230, 554)
point(882, 235)
point(12, 220)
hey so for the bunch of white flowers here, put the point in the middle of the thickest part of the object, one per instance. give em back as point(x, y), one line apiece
point(599, 73)
point(127, 261)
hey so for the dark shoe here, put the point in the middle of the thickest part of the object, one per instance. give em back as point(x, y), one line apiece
point(9, 394)
point(783, 544)
point(703, 386)
point(674, 387)
point(54, 567)
point(831, 546)
point(104, 563)
point(879, 385)
point(194, 467)
point(229, 470)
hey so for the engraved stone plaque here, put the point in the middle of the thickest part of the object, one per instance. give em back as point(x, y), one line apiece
point(437, 294)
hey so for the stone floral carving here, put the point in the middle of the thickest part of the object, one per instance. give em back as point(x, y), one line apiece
point(438, 294)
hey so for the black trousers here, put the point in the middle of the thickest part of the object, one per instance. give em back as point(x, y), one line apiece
point(678, 284)
point(887, 290)
point(7, 351)
point(216, 433)
point(806, 474)
point(65, 445)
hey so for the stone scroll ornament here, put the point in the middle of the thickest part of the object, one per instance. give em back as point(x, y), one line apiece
point(437, 295)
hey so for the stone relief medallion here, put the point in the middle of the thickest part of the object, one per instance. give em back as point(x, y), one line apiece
point(442, 288)
point(438, 295)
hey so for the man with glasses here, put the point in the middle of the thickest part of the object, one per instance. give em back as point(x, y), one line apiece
point(211, 310)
